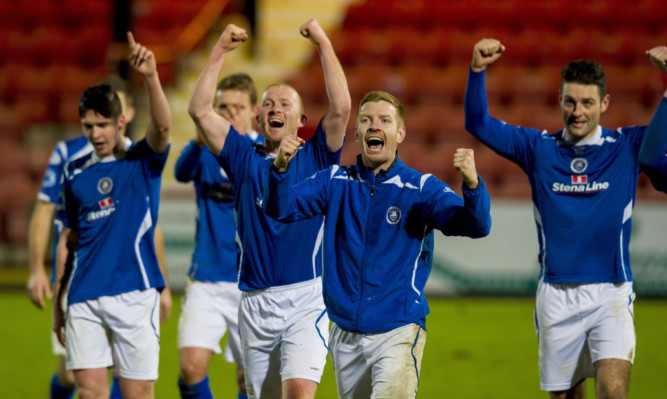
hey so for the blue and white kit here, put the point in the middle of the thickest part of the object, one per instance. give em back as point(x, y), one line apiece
point(112, 203)
point(582, 194)
point(378, 236)
point(272, 253)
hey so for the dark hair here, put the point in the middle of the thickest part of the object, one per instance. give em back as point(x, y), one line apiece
point(585, 72)
point(241, 82)
point(377, 96)
point(102, 99)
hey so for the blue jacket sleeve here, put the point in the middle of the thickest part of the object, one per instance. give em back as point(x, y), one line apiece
point(653, 151)
point(288, 202)
point(511, 142)
point(469, 216)
point(187, 165)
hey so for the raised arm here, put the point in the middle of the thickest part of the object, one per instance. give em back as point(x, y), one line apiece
point(653, 152)
point(340, 103)
point(470, 217)
point(39, 233)
point(212, 125)
point(143, 61)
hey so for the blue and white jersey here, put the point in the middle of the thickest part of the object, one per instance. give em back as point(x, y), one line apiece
point(273, 253)
point(582, 194)
point(378, 236)
point(215, 255)
point(64, 152)
point(653, 152)
point(112, 204)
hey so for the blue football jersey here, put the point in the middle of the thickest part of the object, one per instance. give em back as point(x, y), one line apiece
point(215, 254)
point(582, 194)
point(64, 152)
point(112, 203)
point(273, 253)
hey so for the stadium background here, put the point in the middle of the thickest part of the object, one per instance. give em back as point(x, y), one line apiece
point(419, 50)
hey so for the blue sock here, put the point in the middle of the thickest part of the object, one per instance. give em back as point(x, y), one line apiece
point(115, 388)
point(200, 390)
point(241, 396)
point(58, 391)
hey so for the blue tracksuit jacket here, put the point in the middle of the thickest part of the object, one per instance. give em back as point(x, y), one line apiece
point(378, 236)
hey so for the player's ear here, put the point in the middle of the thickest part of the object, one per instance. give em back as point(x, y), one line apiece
point(401, 134)
point(605, 103)
point(302, 120)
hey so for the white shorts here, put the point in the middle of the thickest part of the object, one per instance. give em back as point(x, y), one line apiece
point(579, 324)
point(121, 330)
point(284, 331)
point(208, 309)
point(383, 365)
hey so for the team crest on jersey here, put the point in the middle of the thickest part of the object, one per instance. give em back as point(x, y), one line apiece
point(579, 165)
point(105, 185)
point(393, 215)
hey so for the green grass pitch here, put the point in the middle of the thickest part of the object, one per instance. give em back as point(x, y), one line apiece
point(475, 348)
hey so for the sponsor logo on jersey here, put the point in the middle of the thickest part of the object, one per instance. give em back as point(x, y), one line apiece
point(105, 185)
point(582, 187)
point(393, 215)
point(258, 202)
point(102, 213)
point(579, 165)
point(105, 203)
point(579, 179)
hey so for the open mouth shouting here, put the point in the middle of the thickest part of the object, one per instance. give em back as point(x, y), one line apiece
point(374, 144)
point(275, 122)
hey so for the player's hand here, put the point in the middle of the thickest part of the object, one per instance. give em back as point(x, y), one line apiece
point(313, 31)
point(58, 322)
point(232, 37)
point(464, 162)
point(233, 114)
point(658, 56)
point(141, 58)
point(165, 305)
point(39, 286)
point(486, 52)
point(289, 146)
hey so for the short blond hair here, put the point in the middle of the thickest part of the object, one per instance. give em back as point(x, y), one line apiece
point(377, 96)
